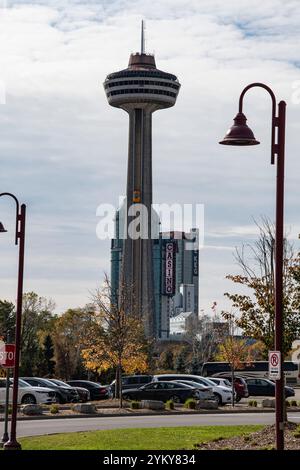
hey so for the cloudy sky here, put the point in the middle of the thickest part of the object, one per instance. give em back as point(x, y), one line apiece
point(63, 149)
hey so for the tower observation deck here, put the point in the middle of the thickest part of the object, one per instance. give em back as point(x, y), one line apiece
point(140, 89)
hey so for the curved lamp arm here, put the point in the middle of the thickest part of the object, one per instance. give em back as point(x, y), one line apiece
point(17, 214)
point(274, 147)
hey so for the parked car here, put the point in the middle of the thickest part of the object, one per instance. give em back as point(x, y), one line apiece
point(84, 394)
point(63, 394)
point(205, 393)
point(27, 394)
point(132, 381)
point(222, 382)
point(223, 395)
point(266, 388)
point(97, 391)
point(162, 391)
point(240, 385)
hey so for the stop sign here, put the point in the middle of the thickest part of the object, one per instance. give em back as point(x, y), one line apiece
point(7, 355)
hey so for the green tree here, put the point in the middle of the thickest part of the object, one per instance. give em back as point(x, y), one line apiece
point(47, 364)
point(7, 319)
point(37, 316)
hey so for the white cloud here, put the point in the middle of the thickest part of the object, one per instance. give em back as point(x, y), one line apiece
point(63, 149)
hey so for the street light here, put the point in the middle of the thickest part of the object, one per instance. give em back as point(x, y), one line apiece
point(241, 134)
point(13, 444)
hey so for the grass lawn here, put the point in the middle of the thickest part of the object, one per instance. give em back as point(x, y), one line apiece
point(174, 438)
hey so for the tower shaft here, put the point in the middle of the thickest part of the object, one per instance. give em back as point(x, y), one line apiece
point(137, 268)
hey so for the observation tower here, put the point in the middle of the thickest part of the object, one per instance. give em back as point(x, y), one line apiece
point(140, 89)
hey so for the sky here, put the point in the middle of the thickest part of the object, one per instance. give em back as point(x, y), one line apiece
point(63, 149)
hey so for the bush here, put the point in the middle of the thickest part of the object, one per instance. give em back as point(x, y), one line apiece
point(252, 403)
point(293, 402)
point(287, 404)
point(297, 432)
point(169, 405)
point(190, 404)
point(135, 405)
point(54, 409)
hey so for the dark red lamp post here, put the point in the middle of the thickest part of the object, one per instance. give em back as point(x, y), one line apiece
point(241, 134)
point(12, 443)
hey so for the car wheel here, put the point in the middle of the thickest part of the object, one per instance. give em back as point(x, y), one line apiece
point(175, 399)
point(237, 399)
point(28, 400)
point(218, 398)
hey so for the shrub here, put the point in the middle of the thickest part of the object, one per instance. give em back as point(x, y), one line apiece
point(297, 432)
point(252, 403)
point(54, 409)
point(135, 405)
point(169, 405)
point(287, 404)
point(190, 404)
point(293, 402)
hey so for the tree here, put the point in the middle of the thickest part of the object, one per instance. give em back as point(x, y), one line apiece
point(256, 310)
point(47, 365)
point(69, 334)
point(7, 319)
point(36, 317)
point(235, 350)
point(116, 336)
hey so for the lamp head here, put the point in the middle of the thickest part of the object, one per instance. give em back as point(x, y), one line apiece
point(239, 133)
point(2, 229)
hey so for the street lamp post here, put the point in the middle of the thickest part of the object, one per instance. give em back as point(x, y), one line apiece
point(241, 134)
point(5, 437)
point(12, 443)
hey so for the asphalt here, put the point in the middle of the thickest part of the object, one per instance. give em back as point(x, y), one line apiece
point(43, 427)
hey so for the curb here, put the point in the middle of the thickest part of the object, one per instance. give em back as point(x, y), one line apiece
point(166, 413)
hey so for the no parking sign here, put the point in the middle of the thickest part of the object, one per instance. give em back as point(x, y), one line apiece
point(274, 365)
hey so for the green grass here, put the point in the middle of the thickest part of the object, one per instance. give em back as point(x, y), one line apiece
point(174, 438)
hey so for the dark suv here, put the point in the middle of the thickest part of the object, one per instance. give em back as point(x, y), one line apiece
point(240, 384)
point(132, 381)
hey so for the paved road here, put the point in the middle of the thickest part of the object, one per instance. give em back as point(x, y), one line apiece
point(41, 427)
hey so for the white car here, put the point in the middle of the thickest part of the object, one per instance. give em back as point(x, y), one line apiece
point(223, 395)
point(27, 394)
point(222, 382)
point(205, 393)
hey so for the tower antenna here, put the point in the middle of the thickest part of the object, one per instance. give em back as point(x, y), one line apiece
point(143, 38)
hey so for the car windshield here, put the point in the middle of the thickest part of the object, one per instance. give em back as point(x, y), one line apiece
point(209, 382)
point(47, 383)
point(192, 384)
point(60, 383)
point(22, 383)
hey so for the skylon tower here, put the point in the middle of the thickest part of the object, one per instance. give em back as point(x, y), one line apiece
point(140, 89)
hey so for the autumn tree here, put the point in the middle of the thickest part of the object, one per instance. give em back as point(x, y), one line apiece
point(235, 350)
point(256, 309)
point(116, 336)
point(69, 335)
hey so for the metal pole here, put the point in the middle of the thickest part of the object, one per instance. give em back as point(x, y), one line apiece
point(279, 250)
point(5, 436)
point(13, 444)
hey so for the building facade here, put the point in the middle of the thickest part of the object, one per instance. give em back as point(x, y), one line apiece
point(175, 259)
